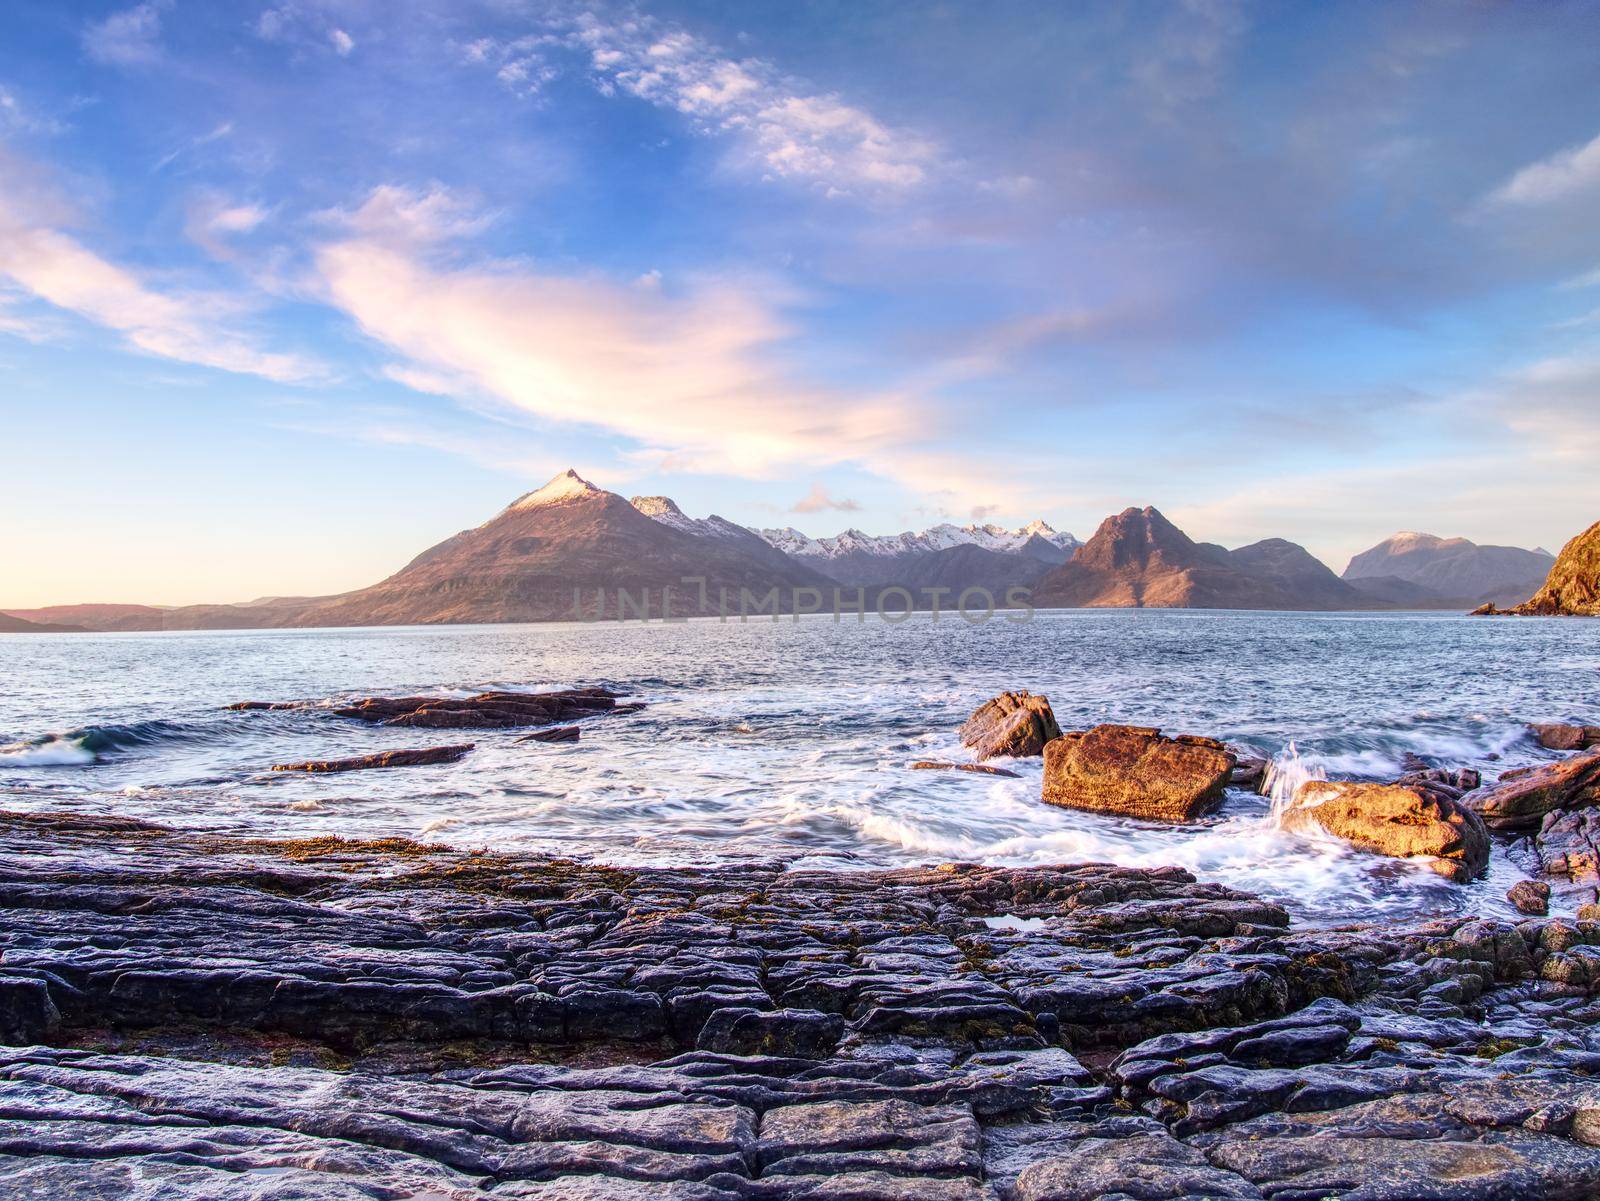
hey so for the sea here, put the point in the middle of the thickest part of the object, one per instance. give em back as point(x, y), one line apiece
point(791, 741)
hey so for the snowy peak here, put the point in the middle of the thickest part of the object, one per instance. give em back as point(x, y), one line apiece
point(939, 537)
point(563, 489)
point(665, 510)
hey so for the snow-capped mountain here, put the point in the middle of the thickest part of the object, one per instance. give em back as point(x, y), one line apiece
point(940, 537)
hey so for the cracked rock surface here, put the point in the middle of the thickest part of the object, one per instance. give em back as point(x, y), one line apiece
point(190, 1016)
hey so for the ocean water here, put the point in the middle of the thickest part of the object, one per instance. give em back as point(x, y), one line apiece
point(792, 741)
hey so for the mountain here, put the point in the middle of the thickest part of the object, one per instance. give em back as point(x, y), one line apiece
point(856, 558)
point(17, 625)
point(666, 511)
point(1573, 586)
point(525, 563)
point(1457, 573)
point(1139, 559)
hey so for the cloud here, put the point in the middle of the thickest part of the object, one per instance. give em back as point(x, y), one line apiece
point(343, 43)
point(787, 130)
point(216, 134)
point(694, 373)
point(1563, 175)
point(213, 219)
point(16, 117)
point(818, 501)
point(53, 266)
point(128, 38)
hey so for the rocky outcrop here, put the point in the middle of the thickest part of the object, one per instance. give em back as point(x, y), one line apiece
point(1572, 589)
point(405, 758)
point(1013, 724)
point(1405, 822)
point(559, 734)
point(1519, 800)
point(190, 1017)
point(1136, 772)
point(1530, 896)
point(1564, 736)
point(485, 711)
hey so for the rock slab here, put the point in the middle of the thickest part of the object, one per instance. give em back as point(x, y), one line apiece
point(1137, 772)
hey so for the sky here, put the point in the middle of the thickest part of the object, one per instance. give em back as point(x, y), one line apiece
point(292, 290)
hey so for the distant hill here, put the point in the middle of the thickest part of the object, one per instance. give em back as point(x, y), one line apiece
point(1139, 559)
point(16, 625)
point(1573, 586)
point(95, 617)
point(1454, 572)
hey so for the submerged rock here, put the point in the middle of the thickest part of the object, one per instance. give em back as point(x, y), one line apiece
point(982, 769)
point(1564, 736)
point(559, 734)
point(1015, 724)
point(411, 758)
point(1135, 771)
point(487, 710)
point(1520, 798)
point(1405, 822)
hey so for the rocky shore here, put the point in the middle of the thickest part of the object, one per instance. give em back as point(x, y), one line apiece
point(190, 1016)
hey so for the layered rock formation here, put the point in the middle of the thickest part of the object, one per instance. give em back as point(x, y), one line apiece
point(188, 1017)
point(419, 757)
point(1136, 772)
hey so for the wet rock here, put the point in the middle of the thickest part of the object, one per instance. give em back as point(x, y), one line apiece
point(559, 734)
point(1404, 822)
point(1564, 736)
point(1147, 1165)
point(1520, 799)
point(1530, 896)
point(1249, 771)
point(802, 1033)
point(487, 710)
point(407, 758)
point(27, 1014)
point(982, 769)
point(1134, 770)
point(1013, 724)
point(1566, 848)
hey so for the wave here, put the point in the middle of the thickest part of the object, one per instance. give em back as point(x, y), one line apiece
point(94, 744)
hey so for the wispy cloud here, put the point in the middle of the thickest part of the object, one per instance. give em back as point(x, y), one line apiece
point(694, 373)
point(53, 266)
point(1562, 176)
point(818, 500)
point(131, 37)
point(785, 129)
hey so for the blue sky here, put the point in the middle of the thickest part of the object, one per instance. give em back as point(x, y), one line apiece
point(289, 291)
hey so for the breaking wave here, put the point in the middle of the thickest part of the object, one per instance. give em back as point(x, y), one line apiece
point(95, 744)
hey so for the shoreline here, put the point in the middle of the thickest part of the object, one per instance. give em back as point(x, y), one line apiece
point(366, 1018)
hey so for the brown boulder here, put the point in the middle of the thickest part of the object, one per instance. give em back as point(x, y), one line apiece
point(416, 758)
point(1395, 820)
point(1521, 798)
point(1015, 724)
point(1564, 736)
point(1530, 897)
point(1135, 771)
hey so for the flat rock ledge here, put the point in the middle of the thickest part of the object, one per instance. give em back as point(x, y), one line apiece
point(190, 1016)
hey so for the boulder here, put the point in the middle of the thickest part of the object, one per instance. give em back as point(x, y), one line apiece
point(1015, 724)
point(1135, 771)
point(1250, 771)
point(412, 758)
point(1396, 820)
point(1521, 798)
point(1564, 736)
point(1530, 897)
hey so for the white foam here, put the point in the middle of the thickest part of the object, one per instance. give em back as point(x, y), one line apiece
point(53, 752)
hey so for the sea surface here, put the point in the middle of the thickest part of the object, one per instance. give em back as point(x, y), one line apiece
point(792, 740)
